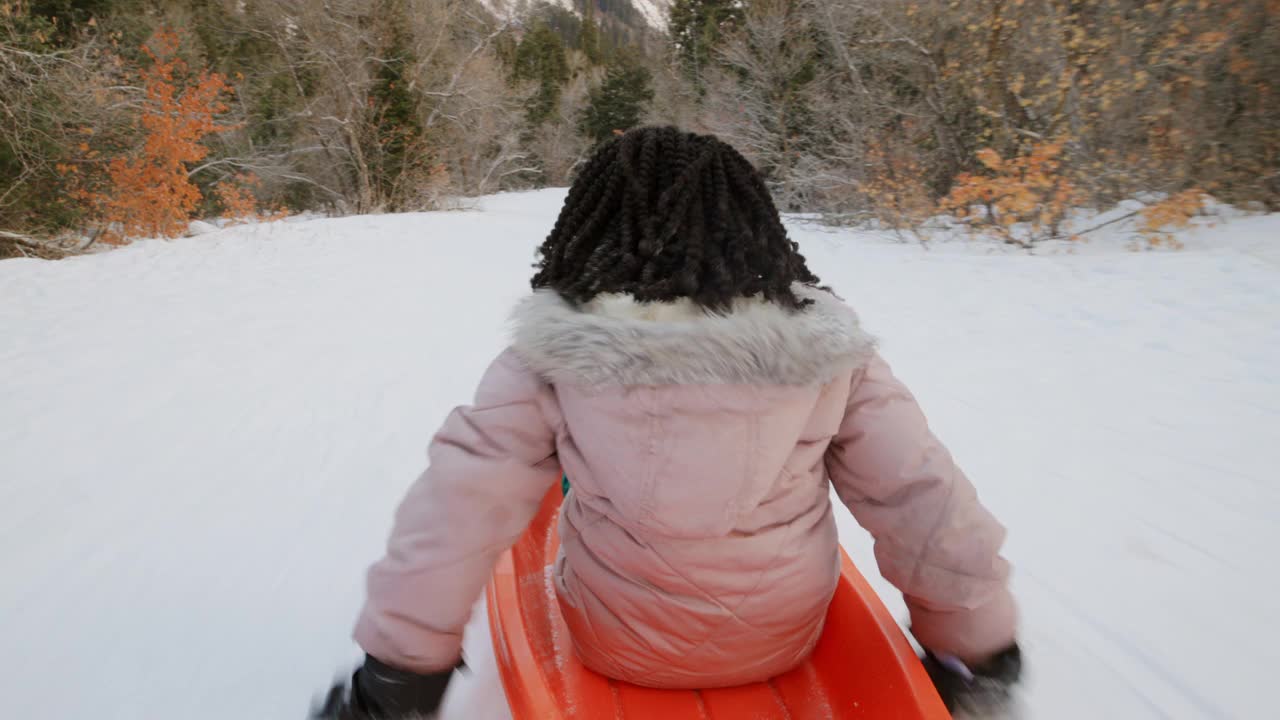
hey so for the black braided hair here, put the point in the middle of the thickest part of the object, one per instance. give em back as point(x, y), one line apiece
point(661, 214)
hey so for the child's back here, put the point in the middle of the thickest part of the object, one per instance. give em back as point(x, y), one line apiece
point(698, 545)
point(678, 361)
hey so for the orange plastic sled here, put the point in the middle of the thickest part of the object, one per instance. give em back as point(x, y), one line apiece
point(863, 666)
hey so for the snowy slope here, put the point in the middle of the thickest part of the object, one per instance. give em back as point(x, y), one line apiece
point(653, 11)
point(202, 443)
point(510, 8)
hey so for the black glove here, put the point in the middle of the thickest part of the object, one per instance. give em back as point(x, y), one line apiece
point(378, 691)
point(979, 691)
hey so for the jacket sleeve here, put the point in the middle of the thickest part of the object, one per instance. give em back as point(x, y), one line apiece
point(489, 467)
point(933, 539)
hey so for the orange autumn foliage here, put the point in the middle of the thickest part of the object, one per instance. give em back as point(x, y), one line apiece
point(1173, 213)
point(1028, 192)
point(149, 193)
point(239, 203)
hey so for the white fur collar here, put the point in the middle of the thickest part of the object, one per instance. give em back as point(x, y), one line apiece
point(614, 340)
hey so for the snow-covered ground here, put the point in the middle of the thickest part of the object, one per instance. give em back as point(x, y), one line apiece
point(202, 442)
point(654, 12)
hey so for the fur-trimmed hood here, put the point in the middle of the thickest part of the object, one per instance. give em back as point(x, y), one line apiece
point(615, 340)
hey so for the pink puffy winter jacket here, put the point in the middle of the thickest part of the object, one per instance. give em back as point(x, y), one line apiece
point(698, 543)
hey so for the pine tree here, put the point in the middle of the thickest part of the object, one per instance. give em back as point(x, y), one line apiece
point(619, 103)
point(398, 131)
point(540, 58)
point(64, 19)
point(696, 27)
point(589, 39)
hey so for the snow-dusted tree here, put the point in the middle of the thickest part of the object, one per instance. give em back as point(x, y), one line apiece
point(696, 28)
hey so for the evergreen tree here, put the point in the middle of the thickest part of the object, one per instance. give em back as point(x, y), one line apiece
point(398, 130)
point(696, 27)
point(540, 58)
point(589, 40)
point(619, 102)
point(66, 17)
point(565, 23)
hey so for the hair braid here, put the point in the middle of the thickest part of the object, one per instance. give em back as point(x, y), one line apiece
point(661, 214)
point(582, 196)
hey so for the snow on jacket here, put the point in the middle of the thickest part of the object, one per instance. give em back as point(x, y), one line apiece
point(698, 546)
